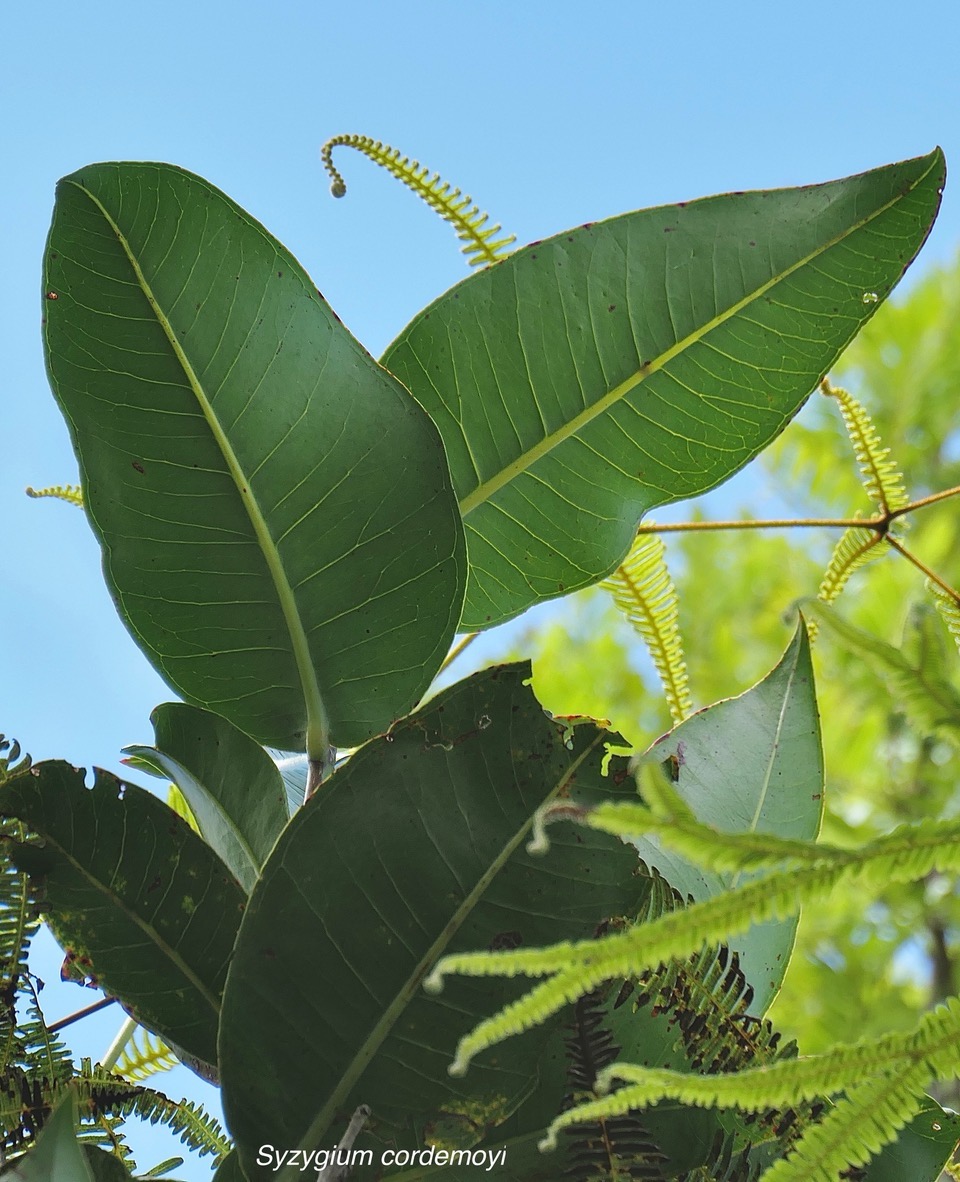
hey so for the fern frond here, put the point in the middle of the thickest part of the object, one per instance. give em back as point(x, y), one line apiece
point(929, 698)
point(856, 547)
point(481, 246)
point(144, 1054)
point(880, 476)
point(618, 1148)
point(643, 590)
point(665, 813)
point(870, 1066)
point(42, 1055)
point(949, 608)
point(854, 1130)
point(19, 919)
point(71, 493)
point(573, 969)
point(727, 1162)
point(194, 1126)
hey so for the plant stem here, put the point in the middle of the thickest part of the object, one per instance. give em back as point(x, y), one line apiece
point(880, 522)
point(921, 566)
point(63, 1023)
point(924, 501)
point(777, 523)
point(319, 770)
point(115, 1049)
point(463, 643)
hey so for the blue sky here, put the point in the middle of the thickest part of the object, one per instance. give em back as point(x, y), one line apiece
point(549, 114)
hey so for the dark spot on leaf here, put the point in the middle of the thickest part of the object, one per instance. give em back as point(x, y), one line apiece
point(138, 466)
point(270, 953)
point(611, 307)
point(752, 243)
point(155, 885)
point(505, 941)
point(279, 274)
point(669, 229)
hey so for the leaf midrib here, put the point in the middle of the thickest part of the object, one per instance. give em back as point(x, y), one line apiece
point(317, 722)
point(378, 1035)
point(488, 488)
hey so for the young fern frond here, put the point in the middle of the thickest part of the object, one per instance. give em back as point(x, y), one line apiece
point(480, 244)
point(884, 486)
point(928, 697)
point(71, 493)
point(880, 476)
point(608, 1150)
point(855, 548)
point(882, 1078)
point(854, 1130)
point(949, 608)
point(573, 969)
point(145, 1054)
point(643, 590)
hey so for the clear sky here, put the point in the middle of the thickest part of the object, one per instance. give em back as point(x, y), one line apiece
point(549, 114)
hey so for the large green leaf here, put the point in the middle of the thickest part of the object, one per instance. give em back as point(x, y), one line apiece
point(141, 902)
point(744, 765)
point(591, 377)
point(278, 526)
point(58, 1154)
point(232, 785)
point(414, 848)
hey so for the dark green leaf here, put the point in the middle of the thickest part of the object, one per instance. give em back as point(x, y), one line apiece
point(232, 786)
point(107, 1167)
point(413, 849)
point(275, 511)
point(140, 902)
point(749, 764)
point(57, 1154)
point(589, 378)
point(229, 1170)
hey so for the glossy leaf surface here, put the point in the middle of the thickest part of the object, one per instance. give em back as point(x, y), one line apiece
point(232, 786)
point(275, 511)
point(626, 364)
point(415, 847)
point(141, 902)
point(749, 764)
